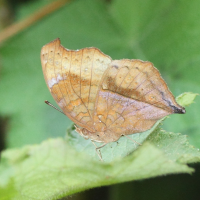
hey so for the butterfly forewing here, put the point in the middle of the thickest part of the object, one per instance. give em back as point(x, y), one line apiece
point(73, 79)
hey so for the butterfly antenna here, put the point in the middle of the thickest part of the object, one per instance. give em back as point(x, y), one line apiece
point(48, 103)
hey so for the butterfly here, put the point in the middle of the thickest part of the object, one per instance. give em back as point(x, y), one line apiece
point(106, 98)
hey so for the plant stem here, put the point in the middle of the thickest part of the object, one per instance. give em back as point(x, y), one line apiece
point(19, 26)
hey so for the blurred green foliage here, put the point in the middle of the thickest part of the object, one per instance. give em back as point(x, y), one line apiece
point(163, 32)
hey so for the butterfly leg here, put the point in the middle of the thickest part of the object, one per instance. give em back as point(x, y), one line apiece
point(97, 149)
point(101, 146)
point(98, 152)
point(77, 129)
point(132, 139)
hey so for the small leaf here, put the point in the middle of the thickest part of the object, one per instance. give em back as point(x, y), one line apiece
point(186, 98)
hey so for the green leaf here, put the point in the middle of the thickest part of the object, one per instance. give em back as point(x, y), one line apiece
point(175, 146)
point(54, 169)
point(186, 98)
point(8, 192)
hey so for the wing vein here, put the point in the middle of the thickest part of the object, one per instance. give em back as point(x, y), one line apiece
point(64, 82)
point(74, 90)
point(81, 71)
point(90, 83)
point(132, 111)
point(108, 110)
point(55, 75)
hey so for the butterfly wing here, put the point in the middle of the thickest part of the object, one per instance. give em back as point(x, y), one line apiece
point(73, 78)
point(131, 98)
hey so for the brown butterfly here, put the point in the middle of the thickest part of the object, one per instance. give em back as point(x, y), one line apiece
point(106, 98)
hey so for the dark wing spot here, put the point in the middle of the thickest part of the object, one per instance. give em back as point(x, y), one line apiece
point(179, 110)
